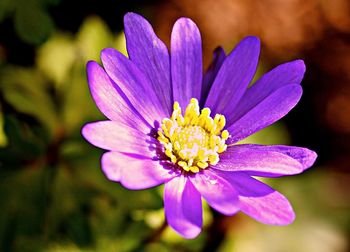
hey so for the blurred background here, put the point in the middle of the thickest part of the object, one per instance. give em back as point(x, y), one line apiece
point(53, 196)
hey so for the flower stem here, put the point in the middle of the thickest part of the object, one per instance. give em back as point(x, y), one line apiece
point(216, 232)
point(155, 236)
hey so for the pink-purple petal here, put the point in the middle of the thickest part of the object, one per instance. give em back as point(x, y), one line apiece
point(272, 209)
point(209, 77)
point(109, 98)
point(186, 61)
point(151, 55)
point(282, 75)
point(234, 76)
point(135, 173)
point(304, 156)
point(263, 161)
point(268, 111)
point(260, 201)
point(134, 84)
point(183, 207)
point(219, 193)
point(110, 135)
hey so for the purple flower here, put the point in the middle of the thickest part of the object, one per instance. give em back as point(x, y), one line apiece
point(157, 133)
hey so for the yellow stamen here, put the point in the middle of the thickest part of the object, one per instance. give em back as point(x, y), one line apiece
point(195, 140)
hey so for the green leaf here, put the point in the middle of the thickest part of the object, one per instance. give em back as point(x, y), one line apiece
point(25, 90)
point(78, 106)
point(92, 37)
point(3, 138)
point(32, 23)
point(24, 144)
point(23, 208)
point(56, 57)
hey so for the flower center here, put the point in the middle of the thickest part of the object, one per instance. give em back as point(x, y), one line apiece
point(193, 140)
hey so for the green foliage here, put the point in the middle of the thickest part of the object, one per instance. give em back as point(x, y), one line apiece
point(25, 91)
point(51, 187)
point(31, 20)
point(3, 138)
point(33, 27)
point(92, 37)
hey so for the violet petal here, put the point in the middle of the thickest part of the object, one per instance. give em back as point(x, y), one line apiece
point(260, 201)
point(135, 173)
point(268, 111)
point(266, 161)
point(209, 77)
point(234, 76)
point(285, 74)
point(111, 135)
point(219, 194)
point(134, 85)
point(186, 61)
point(183, 207)
point(109, 98)
point(304, 156)
point(151, 55)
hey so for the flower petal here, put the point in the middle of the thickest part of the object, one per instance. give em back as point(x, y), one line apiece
point(282, 75)
point(219, 194)
point(304, 156)
point(233, 78)
point(134, 85)
point(186, 61)
point(135, 173)
point(272, 209)
point(183, 207)
point(260, 201)
point(268, 111)
point(151, 55)
point(110, 135)
point(109, 98)
point(266, 161)
point(209, 76)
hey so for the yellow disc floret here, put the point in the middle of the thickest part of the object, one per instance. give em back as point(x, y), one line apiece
point(194, 140)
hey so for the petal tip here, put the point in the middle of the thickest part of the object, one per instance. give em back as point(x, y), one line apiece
point(186, 23)
point(92, 68)
point(132, 16)
point(91, 64)
point(286, 221)
point(85, 131)
point(186, 230)
point(191, 233)
point(108, 53)
point(301, 63)
point(111, 172)
point(219, 50)
point(253, 40)
point(299, 66)
point(310, 159)
point(184, 20)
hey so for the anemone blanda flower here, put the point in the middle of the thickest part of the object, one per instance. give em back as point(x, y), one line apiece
point(169, 124)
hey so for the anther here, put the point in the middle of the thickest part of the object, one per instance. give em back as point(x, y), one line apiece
point(195, 140)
